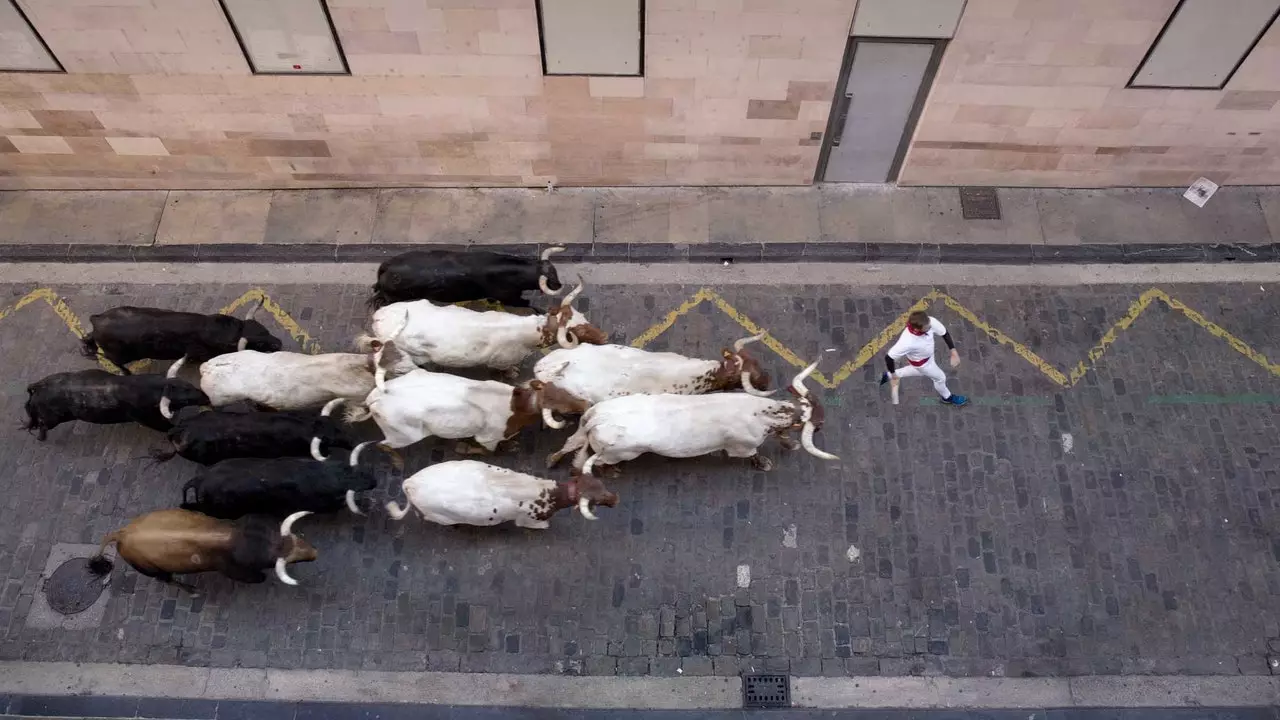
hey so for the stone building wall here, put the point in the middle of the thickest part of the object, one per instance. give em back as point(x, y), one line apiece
point(1032, 92)
point(158, 94)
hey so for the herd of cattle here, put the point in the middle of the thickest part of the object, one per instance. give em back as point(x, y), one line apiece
point(268, 454)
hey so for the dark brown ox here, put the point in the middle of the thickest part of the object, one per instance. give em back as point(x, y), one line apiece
point(165, 543)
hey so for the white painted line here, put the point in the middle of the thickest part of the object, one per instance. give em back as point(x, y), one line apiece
point(840, 274)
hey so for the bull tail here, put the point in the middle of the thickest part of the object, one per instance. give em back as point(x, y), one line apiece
point(395, 511)
point(99, 565)
point(365, 343)
point(89, 346)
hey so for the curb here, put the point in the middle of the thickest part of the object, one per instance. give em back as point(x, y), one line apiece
point(607, 253)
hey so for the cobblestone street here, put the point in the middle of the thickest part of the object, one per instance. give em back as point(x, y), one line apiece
point(1109, 503)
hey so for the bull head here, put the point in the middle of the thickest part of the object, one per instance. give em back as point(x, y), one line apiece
point(552, 399)
point(591, 492)
point(747, 367)
point(544, 267)
point(809, 407)
point(298, 550)
point(354, 462)
point(166, 411)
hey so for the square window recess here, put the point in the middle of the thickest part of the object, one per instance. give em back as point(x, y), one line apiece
point(766, 691)
point(979, 203)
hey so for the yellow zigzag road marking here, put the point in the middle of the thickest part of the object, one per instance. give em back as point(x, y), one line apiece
point(881, 341)
point(865, 354)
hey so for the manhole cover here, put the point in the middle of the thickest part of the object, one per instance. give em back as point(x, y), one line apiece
point(979, 203)
point(766, 691)
point(72, 588)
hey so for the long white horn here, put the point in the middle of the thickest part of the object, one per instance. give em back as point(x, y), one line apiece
point(751, 390)
point(584, 506)
point(315, 450)
point(798, 381)
point(546, 289)
point(254, 311)
point(566, 340)
point(355, 454)
point(280, 572)
point(166, 411)
point(590, 463)
point(174, 368)
point(550, 419)
point(286, 527)
point(244, 343)
point(806, 439)
point(551, 251)
point(739, 344)
point(351, 502)
point(568, 299)
point(330, 406)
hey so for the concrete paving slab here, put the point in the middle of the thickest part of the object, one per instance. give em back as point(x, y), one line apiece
point(857, 213)
point(929, 692)
point(42, 616)
point(94, 217)
point(1019, 222)
point(1269, 201)
point(763, 215)
point(483, 216)
point(1119, 691)
point(321, 216)
point(634, 216)
point(214, 216)
point(1128, 215)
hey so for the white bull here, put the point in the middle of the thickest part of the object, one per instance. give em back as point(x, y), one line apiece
point(288, 380)
point(597, 373)
point(422, 404)
point(684, 426)
point(469, 492)
point(455, 337)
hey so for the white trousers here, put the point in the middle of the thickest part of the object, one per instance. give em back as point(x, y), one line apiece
point(929, 370)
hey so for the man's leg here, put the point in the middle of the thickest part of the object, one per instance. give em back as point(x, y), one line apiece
point(932, 371)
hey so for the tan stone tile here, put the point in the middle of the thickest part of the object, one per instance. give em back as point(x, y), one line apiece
point(360, 19)
point(1004, 115)
point(197, 217)
point(1249, 100)
point(289, 148)
point(775, 46)
point(471, 21)
point(137, 145)
point(626, 87)
point(380, 42)
point(772, 110)
point(40, 144)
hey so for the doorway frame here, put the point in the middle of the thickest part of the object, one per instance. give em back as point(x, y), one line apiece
point(839, 104)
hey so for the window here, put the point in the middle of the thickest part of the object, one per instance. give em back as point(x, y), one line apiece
point(286, 37)
point(21, 47)
point(1204, 43)
point(592, 37)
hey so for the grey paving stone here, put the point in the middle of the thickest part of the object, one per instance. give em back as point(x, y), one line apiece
point(984, 546)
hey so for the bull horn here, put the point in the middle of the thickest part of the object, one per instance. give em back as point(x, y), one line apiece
point(806, 440)
point(355, 454)
point(286, 527)
point(568, 299)
point(551, 251)
point(351, 502)
point(566, 339)
point(546, 289)
point(166, 411)
point(254, 311)
point(739, 344)
point(584, 506)
point(244, 343)
point(798, 381)
point(550, 419)
point(174, 368)
point(330, 406)
point(315, 449)
point(282, 573)
point(166, 407)
point(751, 390)
point(590, 463)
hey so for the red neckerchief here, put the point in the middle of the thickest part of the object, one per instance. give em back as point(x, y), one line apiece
point(917, 333)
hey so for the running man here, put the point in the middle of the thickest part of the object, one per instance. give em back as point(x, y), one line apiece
point(916, 345)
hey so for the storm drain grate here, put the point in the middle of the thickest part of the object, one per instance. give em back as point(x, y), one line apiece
point(766, 691)
point(979, 203)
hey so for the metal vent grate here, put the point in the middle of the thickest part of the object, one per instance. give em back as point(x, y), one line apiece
point(979, 203)
point(766, 691)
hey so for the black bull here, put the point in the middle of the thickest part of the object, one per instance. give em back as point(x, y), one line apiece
point(126, 334)
point(214, 435)
point(449, 276)
point(97, 396)
point(278, 486)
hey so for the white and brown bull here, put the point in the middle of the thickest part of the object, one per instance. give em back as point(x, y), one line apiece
point(423, 404)
point(454, 337)
point(469, 492)
point(597, 373)
point(684, 426)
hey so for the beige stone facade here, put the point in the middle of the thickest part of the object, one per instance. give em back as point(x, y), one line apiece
point(158, 94)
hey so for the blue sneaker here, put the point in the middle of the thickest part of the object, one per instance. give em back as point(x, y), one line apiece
point(956, 400)
point(884, 378)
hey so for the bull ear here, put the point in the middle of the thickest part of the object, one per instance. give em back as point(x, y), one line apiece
point(725, 353)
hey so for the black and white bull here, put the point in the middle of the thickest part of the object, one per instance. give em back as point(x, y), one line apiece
point(278, 486)
point(126, 334)
point(450, 276)
point(211, 436)
point(97, 396)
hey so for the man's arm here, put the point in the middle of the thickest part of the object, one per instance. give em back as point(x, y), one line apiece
point(940, 329)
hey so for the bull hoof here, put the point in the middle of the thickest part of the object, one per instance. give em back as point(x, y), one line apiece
point(466, 448)
point(761, 463)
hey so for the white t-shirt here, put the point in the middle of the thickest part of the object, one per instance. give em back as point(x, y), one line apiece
point(916, 348)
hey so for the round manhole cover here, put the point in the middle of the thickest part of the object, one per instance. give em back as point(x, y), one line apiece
point(72, 588)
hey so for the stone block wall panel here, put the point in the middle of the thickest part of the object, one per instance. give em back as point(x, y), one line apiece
point(441, 92)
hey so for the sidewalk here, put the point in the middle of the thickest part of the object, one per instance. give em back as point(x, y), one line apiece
point(648, 224)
